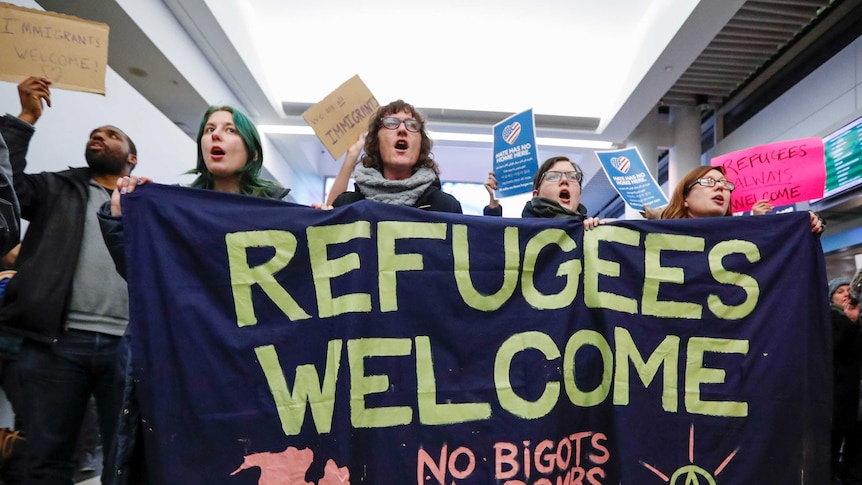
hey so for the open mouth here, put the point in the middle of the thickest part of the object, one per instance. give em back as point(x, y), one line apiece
point(216, 151)
point(719, 199)
point(401, 145)
point(565, 195)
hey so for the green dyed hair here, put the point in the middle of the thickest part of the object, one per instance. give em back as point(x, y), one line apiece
point(250, 182)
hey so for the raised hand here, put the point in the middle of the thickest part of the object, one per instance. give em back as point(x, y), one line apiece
point(491, 185)
point(32, 92)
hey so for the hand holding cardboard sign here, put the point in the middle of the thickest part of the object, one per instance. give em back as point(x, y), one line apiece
point(32, 91)
point(342, 180)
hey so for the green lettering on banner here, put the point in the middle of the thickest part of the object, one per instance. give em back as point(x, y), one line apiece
point(430, 411)
point(745, 282)
point(511, 262)
point(655, 274)
point(390, 262)
point(696, 374)
point(578, 340)
point(509, 399)
point(665, 355)
point(592, 296)
point(362, 384)
point(306, 389)
point(570, 270)
point(243, 276)
point(324, 270)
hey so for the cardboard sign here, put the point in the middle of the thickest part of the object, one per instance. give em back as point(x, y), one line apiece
point(515, 154)
point(631, 179)
point(342, 116)
point(71, 52)
point(780, 173)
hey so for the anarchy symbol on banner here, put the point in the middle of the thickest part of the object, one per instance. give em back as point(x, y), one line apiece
point(689, 475)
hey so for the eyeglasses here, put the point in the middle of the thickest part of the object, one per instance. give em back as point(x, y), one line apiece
point(711, 182)
point(392, 123)
point(571, 176)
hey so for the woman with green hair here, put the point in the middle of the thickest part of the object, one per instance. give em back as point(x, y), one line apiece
point(230, 158)
point(230, 155)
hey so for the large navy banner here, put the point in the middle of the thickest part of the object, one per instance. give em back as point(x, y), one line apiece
point(277, 344)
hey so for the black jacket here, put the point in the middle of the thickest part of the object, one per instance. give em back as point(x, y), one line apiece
point(36, 300)
point(847, 369)
point(10, 210)
point(433, 199)
point(114, 233)
point(531, 210)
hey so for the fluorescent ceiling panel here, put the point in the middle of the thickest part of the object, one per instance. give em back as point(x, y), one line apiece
point(554, 56)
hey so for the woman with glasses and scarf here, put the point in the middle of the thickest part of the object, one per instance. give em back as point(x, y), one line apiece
point(556, 193)
point(705, 192)
point(396, 167)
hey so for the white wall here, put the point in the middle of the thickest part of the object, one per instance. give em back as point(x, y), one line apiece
point(306, 187)
point(164, 151)
point(823, 101)
point(169, 36)
point(166, 33)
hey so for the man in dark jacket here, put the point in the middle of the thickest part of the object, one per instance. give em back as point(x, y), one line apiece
point(67, 299)
point(847, 373)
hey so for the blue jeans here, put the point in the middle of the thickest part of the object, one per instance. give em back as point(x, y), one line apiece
point(57, 381)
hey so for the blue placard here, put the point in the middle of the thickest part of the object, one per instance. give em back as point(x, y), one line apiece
point(515, 154)
point(628, 174)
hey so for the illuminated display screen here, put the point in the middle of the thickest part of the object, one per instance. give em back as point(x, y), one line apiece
point(843, 158)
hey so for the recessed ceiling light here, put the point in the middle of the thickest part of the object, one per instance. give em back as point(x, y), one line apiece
point(447, 136)
point(285, 129)
point(137, 71)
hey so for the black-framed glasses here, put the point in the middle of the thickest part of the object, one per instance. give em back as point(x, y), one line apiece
point(711, 182)
point(392, 123)
point(555, 176)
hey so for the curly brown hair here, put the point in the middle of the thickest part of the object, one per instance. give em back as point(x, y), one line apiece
point(372, 159)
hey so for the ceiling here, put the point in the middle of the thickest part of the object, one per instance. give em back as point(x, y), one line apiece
point(590, 70)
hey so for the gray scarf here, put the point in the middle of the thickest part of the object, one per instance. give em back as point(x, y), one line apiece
point(398, 192)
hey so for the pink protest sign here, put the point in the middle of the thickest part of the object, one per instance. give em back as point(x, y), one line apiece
point(781, 173)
